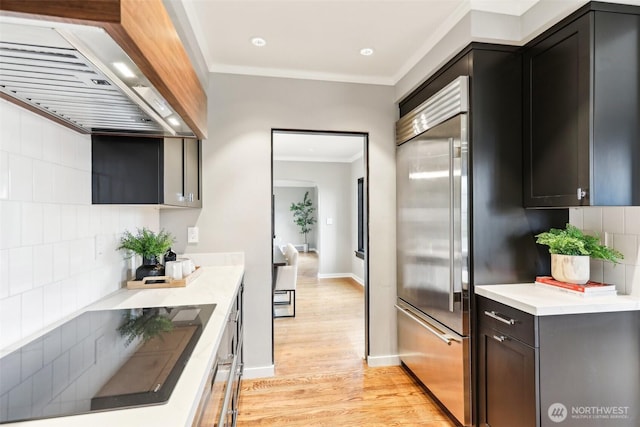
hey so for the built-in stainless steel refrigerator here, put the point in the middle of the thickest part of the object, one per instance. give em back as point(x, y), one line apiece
point(461, 223)
point(432, 247)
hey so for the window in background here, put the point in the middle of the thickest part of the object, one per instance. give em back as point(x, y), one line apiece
point(360, 250)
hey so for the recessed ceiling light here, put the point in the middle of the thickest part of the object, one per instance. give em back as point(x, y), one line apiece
point(258, 41)
point(173, 121)
point(367, 51)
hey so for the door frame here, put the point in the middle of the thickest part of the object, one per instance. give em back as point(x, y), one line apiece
point(365, 159)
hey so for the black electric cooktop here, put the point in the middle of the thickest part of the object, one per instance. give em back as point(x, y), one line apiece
point(101, 360)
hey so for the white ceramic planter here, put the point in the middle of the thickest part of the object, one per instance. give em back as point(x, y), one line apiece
point(570, 268)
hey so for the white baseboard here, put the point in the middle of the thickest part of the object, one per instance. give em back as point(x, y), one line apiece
point(377, 361)
point(259, 372)
point(341, 276)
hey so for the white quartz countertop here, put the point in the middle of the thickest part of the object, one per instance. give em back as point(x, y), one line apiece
point(214, 285)
point(541, 301)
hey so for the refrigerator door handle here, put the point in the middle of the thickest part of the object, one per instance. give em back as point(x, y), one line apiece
point(442, 336)
point(451, 225)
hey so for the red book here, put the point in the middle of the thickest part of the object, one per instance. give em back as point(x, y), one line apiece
point(588, 288)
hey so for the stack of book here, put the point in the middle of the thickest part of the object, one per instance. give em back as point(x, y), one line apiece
point(588, 289)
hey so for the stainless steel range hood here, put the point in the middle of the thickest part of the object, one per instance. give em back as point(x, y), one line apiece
point(67, 70)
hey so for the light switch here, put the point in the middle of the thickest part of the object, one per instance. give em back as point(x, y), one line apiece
point(329, 221)
point(193, 235)
point(100, 244)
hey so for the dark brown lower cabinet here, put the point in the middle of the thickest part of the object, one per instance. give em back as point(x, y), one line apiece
point(510, 386)
point(573, 370)
point(507, 368)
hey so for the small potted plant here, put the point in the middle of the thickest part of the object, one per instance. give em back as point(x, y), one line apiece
point(303, 217)
point(150, 246)
point(570, 251)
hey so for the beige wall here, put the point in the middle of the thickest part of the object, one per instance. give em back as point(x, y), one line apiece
point(236, 213)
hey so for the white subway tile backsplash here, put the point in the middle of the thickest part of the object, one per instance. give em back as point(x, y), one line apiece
point(4, 175)
point(68, 222)
point(622, 225)
point(632, 220)
point(10, 224)
point(83, 194)
point(10, 313)
point(43, 265)
point(613, 220)
point(628, 245)
point(32, 224)
point(592, 219)
point(83, 221)
point(48, 226)
point(596, 270)
point(61, 261)
point(32, 311)
point(632, 280)
point(31, 127)
point(69, 296)
point(20, 270)
point(51, 147)
point(615, 275)
point(82, 254)
point(576, 218)
point(52, 303)
point(52, 223)
point(10, 126)
point(42, 181)
point(4, 273)
point(83, 161)
point(20, 178)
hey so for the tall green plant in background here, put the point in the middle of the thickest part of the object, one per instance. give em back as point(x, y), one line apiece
point(303, 215)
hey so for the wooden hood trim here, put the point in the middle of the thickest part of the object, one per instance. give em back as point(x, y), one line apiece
point(144, 30)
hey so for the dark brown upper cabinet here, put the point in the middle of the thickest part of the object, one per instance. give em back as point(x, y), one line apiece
point(146, 170)
point(582, 109)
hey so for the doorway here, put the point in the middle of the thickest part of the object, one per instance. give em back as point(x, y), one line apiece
point(331, 167)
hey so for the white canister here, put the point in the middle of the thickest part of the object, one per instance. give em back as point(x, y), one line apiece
point(187, 266)
point(174, 269)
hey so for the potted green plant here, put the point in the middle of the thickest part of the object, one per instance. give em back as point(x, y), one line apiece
point(150, 246)
point(570, 251)
point(303, 217)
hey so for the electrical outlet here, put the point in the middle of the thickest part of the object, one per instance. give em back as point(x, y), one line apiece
point(193, 235)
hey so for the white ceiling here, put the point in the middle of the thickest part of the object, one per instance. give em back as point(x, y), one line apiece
point(317, 147)
point(321, 39)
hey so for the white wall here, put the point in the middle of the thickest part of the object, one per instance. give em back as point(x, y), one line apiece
point(333, 180)
point(49, 267)
point(236, 213)
point(285, 229)
point(618, 227)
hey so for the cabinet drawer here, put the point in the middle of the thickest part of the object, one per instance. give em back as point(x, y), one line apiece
point(508, 320)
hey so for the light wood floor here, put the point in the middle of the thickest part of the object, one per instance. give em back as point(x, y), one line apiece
point(321, 378)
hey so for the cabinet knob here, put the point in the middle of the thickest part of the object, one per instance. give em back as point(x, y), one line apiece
point(581, 194)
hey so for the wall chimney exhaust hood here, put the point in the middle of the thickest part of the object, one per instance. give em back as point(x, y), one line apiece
point(111, 73)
